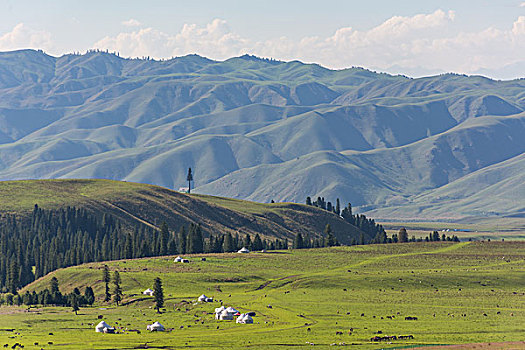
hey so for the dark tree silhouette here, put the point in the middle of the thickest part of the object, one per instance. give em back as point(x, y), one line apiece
point(190, 179)
point(158, 294)
point(106, 278)
point(117, 290)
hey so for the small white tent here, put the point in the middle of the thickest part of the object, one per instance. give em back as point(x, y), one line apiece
point(218, 311)
point(148, 292)
point(203, 298)
point(231, 310)
point(226, 316)
point(243, 250)
point(155, 327)
point(245, 319)
point(178, 259)
point(103, 327)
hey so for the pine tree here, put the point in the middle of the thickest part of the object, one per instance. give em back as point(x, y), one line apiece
point(89, 295)
point(165, 235)
point(106, 278)
point(402, 235)
point(75, 303)
point(337, 207)
point(117, 290)
point(158, 295)
point(257, 243)
point(228, 245)
point(298, 242)
point(182, 240)
point(12, 283)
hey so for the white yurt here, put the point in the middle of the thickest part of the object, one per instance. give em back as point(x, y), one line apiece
point(231, 310)
point(178, 259)
point(155, 327)
point(148, 292)
point(218, 311)
point(103, 327)
point(245, 319)
point(203, 298)
point(243, 250)
point(226, 316)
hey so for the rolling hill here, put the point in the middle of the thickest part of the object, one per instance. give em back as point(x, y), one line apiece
point(134, 203)
point(262, 129)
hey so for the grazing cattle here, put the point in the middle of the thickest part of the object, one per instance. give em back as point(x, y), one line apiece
point(338, 333)
point(405, 337)
point(100, 317)
point(411, 318)
point(308, 329)
point(362, 315)
point(384, 338)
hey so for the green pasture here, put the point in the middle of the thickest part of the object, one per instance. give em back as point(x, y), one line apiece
point(460, 293)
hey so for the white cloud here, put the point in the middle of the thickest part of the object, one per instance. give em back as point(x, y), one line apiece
point(23, 37)
point(423, 42)
point(131, 23)
point(415, 45)
point(213, 40)
point(522, 4)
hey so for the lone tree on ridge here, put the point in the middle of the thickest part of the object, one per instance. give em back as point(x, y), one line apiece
point(190, 179)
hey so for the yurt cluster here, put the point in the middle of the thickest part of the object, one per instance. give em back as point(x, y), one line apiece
point(221, 313)
point(227, 314)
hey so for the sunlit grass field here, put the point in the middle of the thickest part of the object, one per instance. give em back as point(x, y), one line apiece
point(466, 292)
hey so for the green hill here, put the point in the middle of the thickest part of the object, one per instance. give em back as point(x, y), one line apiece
point(151, 205)
point(461, 293)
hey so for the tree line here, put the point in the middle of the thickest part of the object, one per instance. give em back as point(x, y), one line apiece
point(367, 226)
point(51, 239)
point(51, 296)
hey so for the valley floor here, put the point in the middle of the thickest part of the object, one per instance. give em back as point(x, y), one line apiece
point(460, 293)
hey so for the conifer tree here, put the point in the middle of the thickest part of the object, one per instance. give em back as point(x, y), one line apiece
point(89, 295)
point(75, 303)
point(158, 294)
point(402, 235)
point(298, 242)
point(117, 290)
point(228, 245)
point(106, 278)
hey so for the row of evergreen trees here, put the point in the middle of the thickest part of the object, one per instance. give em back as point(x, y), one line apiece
point(366, 225)
point(53, 239)
point(51, 296)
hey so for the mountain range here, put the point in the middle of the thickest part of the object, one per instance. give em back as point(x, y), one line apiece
point(441, 147)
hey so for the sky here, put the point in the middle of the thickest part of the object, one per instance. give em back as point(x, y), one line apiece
point(410, 37)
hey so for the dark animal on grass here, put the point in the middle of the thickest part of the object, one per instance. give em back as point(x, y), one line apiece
point(338, 333)
point(405, 337)
point(100, 317)
point(384, 338)
point(411, 318)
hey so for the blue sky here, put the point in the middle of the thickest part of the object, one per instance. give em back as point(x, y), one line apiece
point(403, 36)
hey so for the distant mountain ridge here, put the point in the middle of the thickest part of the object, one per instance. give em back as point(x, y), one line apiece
point(262, 129)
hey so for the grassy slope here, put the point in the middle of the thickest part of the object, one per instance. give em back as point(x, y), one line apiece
point(152, 205)
point(437, 282)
